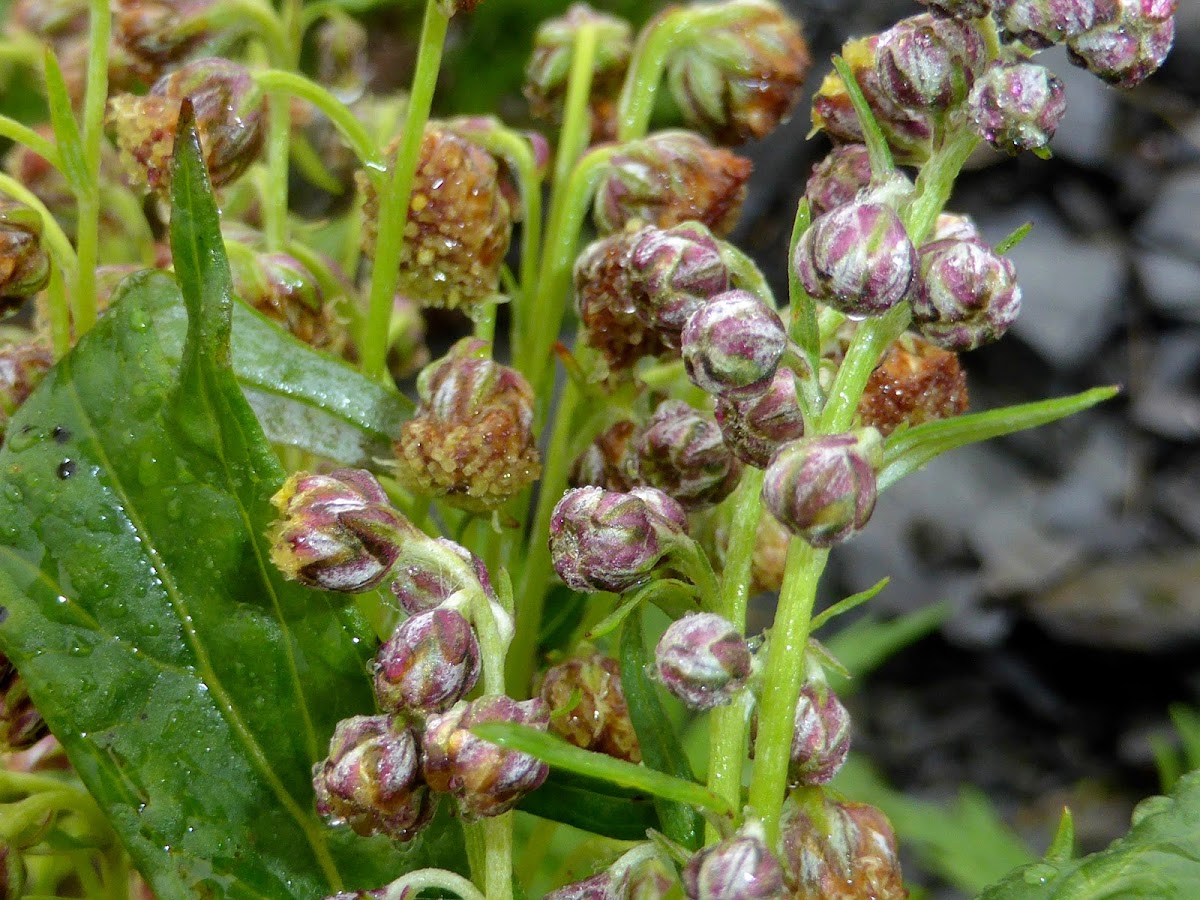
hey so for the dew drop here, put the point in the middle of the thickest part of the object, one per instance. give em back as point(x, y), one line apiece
point(65, 469)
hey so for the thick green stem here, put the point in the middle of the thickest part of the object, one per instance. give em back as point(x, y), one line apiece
point(498, 844)
point(393, 206)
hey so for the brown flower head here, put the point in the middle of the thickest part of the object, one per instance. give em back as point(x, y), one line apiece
point(915, 382)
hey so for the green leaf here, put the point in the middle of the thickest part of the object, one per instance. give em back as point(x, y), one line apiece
point(845, 605)
point(1159, 859)
point(661, 749)
point(593, 805)
point(907, 451)
point(803, 327)
point(66, 129)
point(192, 687)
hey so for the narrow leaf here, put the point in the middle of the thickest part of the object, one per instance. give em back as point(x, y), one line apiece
point(877, 145)
point(593, 805)
point(803, 327)
point(66, 128)
point(1062, 848)
point(1018, 234)
point(849, 603)
point(907, 451)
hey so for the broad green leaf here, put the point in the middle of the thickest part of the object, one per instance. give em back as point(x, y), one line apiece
point(907, 451)
point(192, 687)
point(661, 749)
point(1159, 859)
point(593, 805)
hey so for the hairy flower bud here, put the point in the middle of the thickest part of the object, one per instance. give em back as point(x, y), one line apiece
point(484, 779)
point(929, 62)
point(681, 452)
point(966, 294)
point(738, 80)
point(371, 779)
point(821, 740)
point(1017, 106)
point(283, 289)
point(471, 439)
point(597, 718)
point(732, 345)
point(459, 223)
point(959, 9)
point(640, 874)
point(336, 532)
point(598, 887)
point(605, 463)
point(842, 850)
point(158, 33)
point(857, 258)
point(823, 488)
point(1129, 47)
point(703, 660)
point(915, 382)
point(740, 867)
point(22, 368)
point(1040, 23)
point(669, 178)
point(21, 725)
point(442, 569)
point(837, 179)
point(229, 120)
point(428, 664)
point(24, 265)
point(671, 273)
point(754, 428)
point(606, 541)
point(954, 226)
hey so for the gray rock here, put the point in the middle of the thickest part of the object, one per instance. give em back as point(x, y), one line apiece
point(1167, 399)
point(1172, 284)
point(1171, 224)
point(1087, 132)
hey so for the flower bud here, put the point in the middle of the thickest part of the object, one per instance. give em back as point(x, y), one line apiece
point(603, 297)
point(966, 294)
point(703, 660)
point(158, 32)
point(740, 867)
point(605, 463)
point(959, 9)
point(755, 427)
point(598, 718)
point(549, 67)
point(1017, 106)
point(24, 265)
point(669, 178)
point(21, 725)
point(484, 779)
point(428, 664)
point(427, 580)
point(281, 288)
point(823, 488)
point(681, 452)
point(471, 439)
point(453, 7)
point(954, 226)
point(837, 179)
point(915, 382)
point(821, 739)
point(229, 120)
point(605, 541)
point(1040, 23)
point(459, 223)
point(371, 779)
point(1129, 47)
point(857, 258)
point(732, 345)
point(738, 80)
point(336, 532)
point(672, 272)
point(929, 62)
point(640, 874)
point(838, 849)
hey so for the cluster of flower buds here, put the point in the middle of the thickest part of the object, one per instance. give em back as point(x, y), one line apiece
point(639, 874)
point(22, 367)
point(587, 705)
point(703, 660)
point(681, 451)
point(740, 867)
point(1128, 46)
point(229, 119)
point(284, 290)
point(24, 263)
point(459, 223)
point(471, 439)
point(21, 725)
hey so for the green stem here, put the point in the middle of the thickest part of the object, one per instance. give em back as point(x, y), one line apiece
point(936, 182)
point(576, 129)
point(498, 844)
point(275, 201)
point(414, 883)
point(873, 337)
point(56, 239)
point(393, 207)
point(255, 17)
point(727, 737)
point(22, 134)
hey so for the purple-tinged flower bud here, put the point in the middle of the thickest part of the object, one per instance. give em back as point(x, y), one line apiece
point(229, 119)
point(336, 532)
point(471, 439)
point(1017, 106)
point(22, 368)
point(837, 179)
point(484, 779)
point(857, 258)
point(443, 569)
point(681, 452)
point(1128, 48)
point(672, 272)
point(669, 178)
point(24, 264)
point(732, 345)
point(738, 868)
point(598, 718)
point(428, 664)
point(606, 541)
point(371, 779)
point(703, 660)
point(459, 222)
point(959, 9)
point(754, 428)
point(737, 81)
point(929, 62)
point(158, 33)
point(954, 226)
point(915, 382)
point(21, 725)
point(1040, 23)
point(598, 887)
point(605, 463)
point(822, 488)
point(838, 849)
point(283, 289)
point(640, 874)
point(604, 299)
point(966, 295)
point(821, 740)
point(549, 67)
